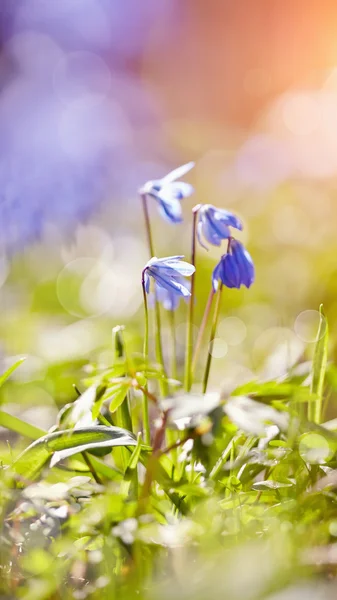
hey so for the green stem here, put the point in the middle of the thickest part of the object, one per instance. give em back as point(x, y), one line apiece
point(174, 370)
point(158, 343)
point(159, 350)
point(189, 333)
point(146, 421)
point(211, 340)
point(91, 468)
point(123, 415)
point(147, 225)
point(202, 330)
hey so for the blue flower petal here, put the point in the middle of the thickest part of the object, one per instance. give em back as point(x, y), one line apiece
point(168, 192)
point(169, 283)
point(178, 172)
point(181, 267)
point(214, 234)
point(170, 209)
point(168, 273)
point(244, 262)
point(214, 223)
point(147, 282)
point(199, 235)
point(228, 218)
point(216, 276)
point(180, 189)
point(230, 272)
point(217, 225)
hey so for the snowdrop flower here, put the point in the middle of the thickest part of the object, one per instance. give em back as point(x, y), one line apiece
point(168, 273)
point(168, 192)
point(214, 223)
point(235, 268)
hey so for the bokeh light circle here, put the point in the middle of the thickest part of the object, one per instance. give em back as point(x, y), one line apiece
point(218, 348)
point(307, 326)
point(76, 280)
point(232, 330)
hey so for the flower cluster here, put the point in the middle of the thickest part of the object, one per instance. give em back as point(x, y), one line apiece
point(213, 225)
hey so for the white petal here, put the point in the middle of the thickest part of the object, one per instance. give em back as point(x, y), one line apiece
point(167, 258)
point(179, 172)
point(152, 262)
point(199, 236)
point(147, 187)
point(182, 267)
point(182, 188)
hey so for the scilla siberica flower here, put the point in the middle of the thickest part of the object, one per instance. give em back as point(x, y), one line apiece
point(168, 298)
point(235, 268)
point(168, 273)
point(168, 192)
point(214, 223)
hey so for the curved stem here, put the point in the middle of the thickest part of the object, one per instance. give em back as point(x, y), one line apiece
point(189, 333)
point(159, 349)
point(211, 340)
point(146, 421)
point(147, 225)
point(202, 329)
point(158, 344)
point(174, 373)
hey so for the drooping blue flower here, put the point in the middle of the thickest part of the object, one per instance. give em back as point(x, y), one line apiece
point(235, 268)
point(167, 298)
point(168, 273)
point(168, 192)
point(214, 224)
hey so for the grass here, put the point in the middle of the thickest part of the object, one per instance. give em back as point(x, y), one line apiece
point(234, 498)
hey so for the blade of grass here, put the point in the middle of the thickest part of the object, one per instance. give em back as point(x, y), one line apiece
point(19, 426)
point(319, 364)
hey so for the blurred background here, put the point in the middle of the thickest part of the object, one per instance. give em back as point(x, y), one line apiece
point(97, 97)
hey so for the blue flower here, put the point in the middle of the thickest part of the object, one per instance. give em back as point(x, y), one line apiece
point(235, 268)
point(168, 192)
point(214, 223)
point(168, 273)
point(168, 298)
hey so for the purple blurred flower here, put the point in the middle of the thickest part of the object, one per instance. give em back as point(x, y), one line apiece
point(168, 192)
point(168, 273)
point(123, 27)
point(214, 223)
point(66, 145)
point(235, 268)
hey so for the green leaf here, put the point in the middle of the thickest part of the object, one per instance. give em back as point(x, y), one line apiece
point(11, 370)
point(130, 471)
point(319, 365)
point(135, 456)
point(119, 396)
point(78, 413)
point(34, 433)
point(66, 443)
point(272, 485)
point(19, 426)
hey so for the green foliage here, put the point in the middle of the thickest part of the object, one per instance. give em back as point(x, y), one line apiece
point(235, 498)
